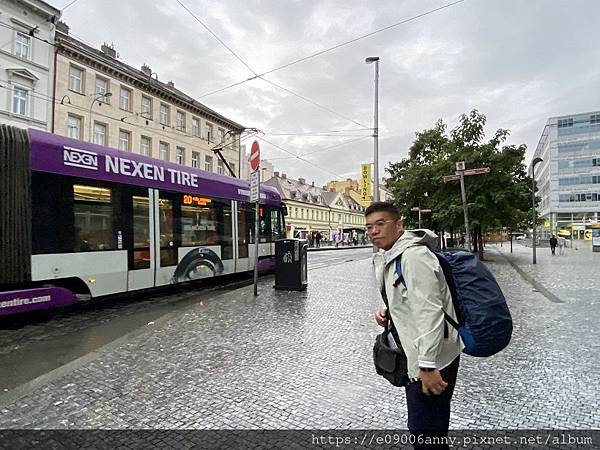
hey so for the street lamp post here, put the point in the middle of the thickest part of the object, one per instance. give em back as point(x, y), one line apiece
point(369, 60)
point(97, 97)
point(533, 245)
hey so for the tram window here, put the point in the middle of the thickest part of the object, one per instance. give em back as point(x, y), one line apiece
point(264, 224)
point(141, 233)
point(275, 224)
point(245, 228)
point(168, 249)
point(93, 211)
point(207, 222)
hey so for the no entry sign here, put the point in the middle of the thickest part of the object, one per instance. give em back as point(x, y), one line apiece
point(255, 156)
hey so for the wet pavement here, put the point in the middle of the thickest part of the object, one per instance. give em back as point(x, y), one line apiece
point(302, 360)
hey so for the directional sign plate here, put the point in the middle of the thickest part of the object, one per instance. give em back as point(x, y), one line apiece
point(254, 190)
point(477, 171)
point(451, 178)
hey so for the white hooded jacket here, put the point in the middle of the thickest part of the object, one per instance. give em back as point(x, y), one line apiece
point(417, 306)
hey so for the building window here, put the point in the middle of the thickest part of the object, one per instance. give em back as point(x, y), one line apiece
point(595, 119)
point(146, 107)
point(164, 114)
point(124, 140)
point(125, 99)
point(563, 123)
point(146, 146)
point(101, 88)
point(163, 151)
point(220, 167)
point(22, 44)
point(232, 165)
point(195, 158)
point(209, 132)
point(180, 121)
point(74, 126)
point(99, 133)
point(19, 103)
point(195, 127)
point(208, 163)
point(76, 79)
point(221, 135)
point(181, 156)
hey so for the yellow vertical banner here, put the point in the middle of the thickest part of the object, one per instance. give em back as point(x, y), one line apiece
point(365, 183)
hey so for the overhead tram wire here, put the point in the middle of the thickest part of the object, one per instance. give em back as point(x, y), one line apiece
point(70, 4)
point(256, 75)
point(216, 37)
point(335, 47)
point(299, 157)
point(324, 108)
point(326, 148)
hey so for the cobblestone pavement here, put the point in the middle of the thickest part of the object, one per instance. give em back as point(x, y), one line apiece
point(302, 360)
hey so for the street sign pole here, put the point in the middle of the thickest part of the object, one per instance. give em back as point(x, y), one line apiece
point(255, 197)
point(256, 235)
point(464, 202)
point(460, 174)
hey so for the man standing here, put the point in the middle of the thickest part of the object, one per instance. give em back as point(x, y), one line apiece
point(553, 242)
point(417, 303)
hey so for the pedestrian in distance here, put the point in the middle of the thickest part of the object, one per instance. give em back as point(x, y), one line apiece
point(318, 238)
point(553, 243)
point(561, 244)
point(416, 307)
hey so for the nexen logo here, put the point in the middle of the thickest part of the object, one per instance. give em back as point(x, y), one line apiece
point(83, 159)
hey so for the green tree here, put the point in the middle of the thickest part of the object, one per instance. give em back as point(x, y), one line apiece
point(498, 199)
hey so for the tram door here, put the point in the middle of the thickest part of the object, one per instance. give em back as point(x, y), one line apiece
point(245, 237)
point(139, 242)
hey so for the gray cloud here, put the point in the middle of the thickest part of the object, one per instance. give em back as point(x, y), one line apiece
point(518, 62)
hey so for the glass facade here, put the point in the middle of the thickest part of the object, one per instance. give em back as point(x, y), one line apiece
point(568, 179)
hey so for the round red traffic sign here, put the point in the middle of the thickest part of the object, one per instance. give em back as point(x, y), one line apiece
point(255, 156)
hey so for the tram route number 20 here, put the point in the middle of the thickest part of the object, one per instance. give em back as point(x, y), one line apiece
point(193, 200)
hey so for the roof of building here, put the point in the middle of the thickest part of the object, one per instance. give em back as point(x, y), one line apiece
point(300, 191)
point(138, 78)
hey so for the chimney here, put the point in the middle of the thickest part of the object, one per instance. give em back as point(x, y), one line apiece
point(276, 174)
point(313, 184)
point(284, 176)
point(301, 180)
point(146, 70)
point(171, 84)
point(109, 50)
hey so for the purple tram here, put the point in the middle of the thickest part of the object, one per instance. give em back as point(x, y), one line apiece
point(78, 220)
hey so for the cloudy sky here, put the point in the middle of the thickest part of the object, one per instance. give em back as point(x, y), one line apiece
point(517, 61)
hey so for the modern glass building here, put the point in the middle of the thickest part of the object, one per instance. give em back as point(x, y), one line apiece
point(568, 178)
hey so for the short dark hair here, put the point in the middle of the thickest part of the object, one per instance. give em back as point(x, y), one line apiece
point(383, 207)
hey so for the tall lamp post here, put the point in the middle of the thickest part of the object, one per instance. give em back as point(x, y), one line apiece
point(369, 60)
point(97, 98)
point(533, 164)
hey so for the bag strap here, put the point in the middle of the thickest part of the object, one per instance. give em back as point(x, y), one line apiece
point(400, 279)
point(391, 328)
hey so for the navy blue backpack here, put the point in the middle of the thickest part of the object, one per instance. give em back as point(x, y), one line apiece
point(484, 321)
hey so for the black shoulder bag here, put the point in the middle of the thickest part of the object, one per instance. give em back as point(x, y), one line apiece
point(390, 362)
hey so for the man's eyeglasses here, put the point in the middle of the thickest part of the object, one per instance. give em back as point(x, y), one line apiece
point(378, 225)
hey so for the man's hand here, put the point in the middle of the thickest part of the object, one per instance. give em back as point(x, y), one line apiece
point(432, 382)
point(381, 317)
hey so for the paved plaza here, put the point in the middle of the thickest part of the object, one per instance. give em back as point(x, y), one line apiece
point(302, 360)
